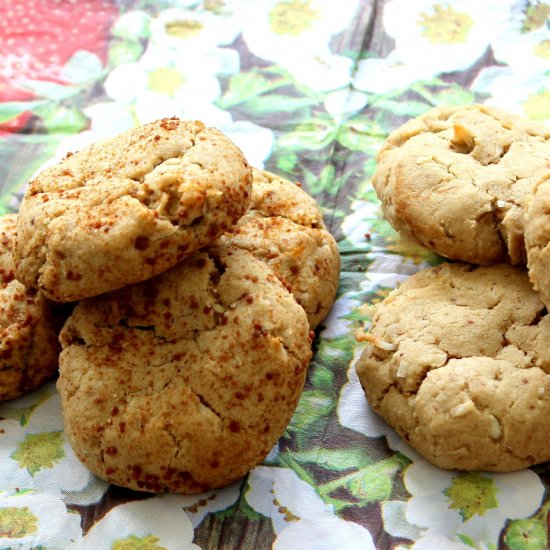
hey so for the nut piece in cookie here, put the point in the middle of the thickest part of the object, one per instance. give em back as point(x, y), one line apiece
point(124, 210)
point(184, 382)
point(284, 227)
point(458, 362)
point(537, 236)
point(29, 325)
point(455, 179)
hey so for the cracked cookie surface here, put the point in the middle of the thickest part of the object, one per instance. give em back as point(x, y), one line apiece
point(537, 236)
point(184, 382)
point(455, 180)
point(29, 326)
point(284, 227)
point(457, 361)
point(124, 210)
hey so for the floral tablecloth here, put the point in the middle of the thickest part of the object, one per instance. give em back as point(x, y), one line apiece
point(308, 89)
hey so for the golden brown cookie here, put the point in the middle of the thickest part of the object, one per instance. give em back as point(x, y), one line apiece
point(455, 179)
point(458, 362)
point(284, 227)
point(29, 325)
point(129, 208)
point(184, 382)
point(537, 236)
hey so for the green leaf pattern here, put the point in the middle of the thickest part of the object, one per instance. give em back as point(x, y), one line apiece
point(309, 89)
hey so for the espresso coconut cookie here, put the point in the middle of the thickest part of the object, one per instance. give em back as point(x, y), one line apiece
point(458, 362)
point(284, 227)
point(184, 382)
point(124, 210)
point(537, 236)
point(455, 179)
point(29, 325)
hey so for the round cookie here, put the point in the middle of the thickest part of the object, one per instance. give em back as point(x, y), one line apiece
point(537, 236)
point(124, 210)
point(455, 180)
point(184, 382)
point(458, 362)
point(29, 326)
point(284, 227)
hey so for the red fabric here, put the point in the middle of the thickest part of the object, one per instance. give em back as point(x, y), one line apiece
point(37, 37)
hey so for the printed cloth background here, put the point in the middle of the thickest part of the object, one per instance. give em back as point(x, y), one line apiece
point(308, 89)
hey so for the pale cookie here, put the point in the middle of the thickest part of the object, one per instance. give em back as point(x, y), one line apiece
point(537, 236)
point(129, 208)
point(29, 326)
point(184, 382)
point(284, 227)
point(458, 362)
point(455, 179)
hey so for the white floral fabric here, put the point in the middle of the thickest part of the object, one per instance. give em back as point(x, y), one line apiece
point(308, 89)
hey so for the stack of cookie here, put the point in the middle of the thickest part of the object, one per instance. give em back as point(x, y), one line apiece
point(198, 280)
point(457, 358)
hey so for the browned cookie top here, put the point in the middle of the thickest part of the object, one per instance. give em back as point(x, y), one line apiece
point(184, 382)
point(455, 179)
point(126, 209)
point(29, 326)
point(284, 227)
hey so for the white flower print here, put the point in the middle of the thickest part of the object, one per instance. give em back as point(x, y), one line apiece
point(36, 455)
point(355, 413)
point(31, 520)
point(395, 523)
point(448, 36)
point(522, 85)
point(300, 518)
point(132, 24)
point(473, 504)
point(334, 322)
point(108, 118)
point(429, 542)
point(256, 142)
point(282, 30)
point(526, 52)
point(158, 522)
point(183, 83)
point(198, 506)
point(353, 410)
point(321, 73)
point(380, 75)
point(359, 222)
point(344, 103)
point(443, 504)
point(524, 93)
point(172, 83)
point(192, 32)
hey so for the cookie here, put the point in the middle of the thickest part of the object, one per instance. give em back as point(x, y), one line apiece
point(124, 210)
point(284, 227)
point(455, 180)
point(29, 325)
point(184, 382)
point(457, 361)
point(537, 236)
